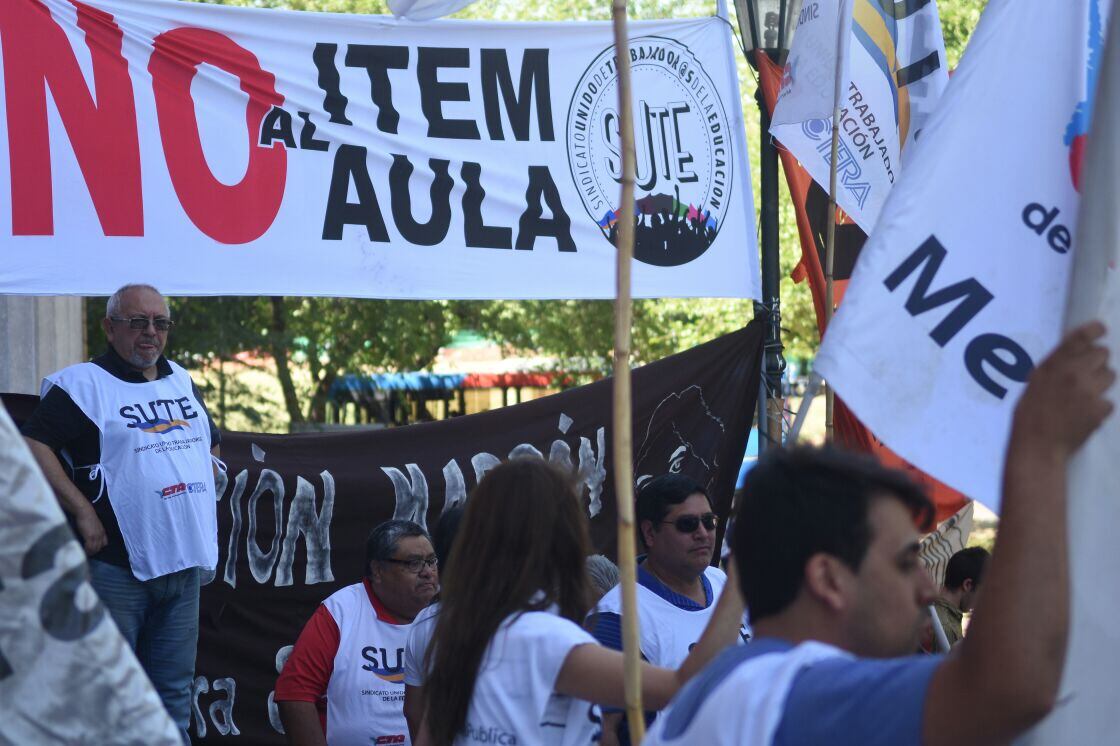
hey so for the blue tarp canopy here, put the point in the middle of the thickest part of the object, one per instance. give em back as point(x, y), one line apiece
point(354, 387)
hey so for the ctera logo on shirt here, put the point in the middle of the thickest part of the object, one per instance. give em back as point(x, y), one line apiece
point(379, 664)
point(174, 490)
point(159, 416)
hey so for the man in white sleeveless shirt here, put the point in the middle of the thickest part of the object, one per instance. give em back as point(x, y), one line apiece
point(138, 484)
point(827, 554)
point(677, 586)
point(344, 681)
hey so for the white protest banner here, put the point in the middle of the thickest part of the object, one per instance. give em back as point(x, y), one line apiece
point(217, 150)
point(896, 72)
point(960, 288)
point(66, 674)
point(1087, 699)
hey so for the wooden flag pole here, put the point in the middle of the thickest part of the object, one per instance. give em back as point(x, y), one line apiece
point(843, 32)
point(621, 437)
point(829, 252)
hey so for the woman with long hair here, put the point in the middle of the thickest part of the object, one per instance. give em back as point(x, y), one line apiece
point(509, 661)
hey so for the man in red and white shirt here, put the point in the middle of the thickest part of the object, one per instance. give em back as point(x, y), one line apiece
point(344, 682)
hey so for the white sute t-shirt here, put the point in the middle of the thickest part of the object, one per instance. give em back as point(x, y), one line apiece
point(416, 647)
point(514, 700)
point(365, 695)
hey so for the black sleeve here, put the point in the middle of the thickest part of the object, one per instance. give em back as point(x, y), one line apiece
point(57, 421)
point(215, 434)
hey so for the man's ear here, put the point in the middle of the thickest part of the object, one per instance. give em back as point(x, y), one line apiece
point(827, 579)
point(646, 527)
point(107, 327)
point(374, 572)
point(968, 586)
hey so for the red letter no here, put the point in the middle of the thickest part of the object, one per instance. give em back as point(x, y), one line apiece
point(230, 214)
point(38, 56)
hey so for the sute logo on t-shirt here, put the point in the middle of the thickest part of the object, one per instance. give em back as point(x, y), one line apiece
point(159, 416)
point(380, 740)
point(380, 666)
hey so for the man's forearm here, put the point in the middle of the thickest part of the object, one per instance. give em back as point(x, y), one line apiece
point(1019, 631)
point(69, 496)
point(301, 723)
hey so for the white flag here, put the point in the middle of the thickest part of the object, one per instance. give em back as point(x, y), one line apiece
point(809, 77)
point(66, 674)
point(426, 10)
point(896, 72)
point(1087, 713)
point(961, 286)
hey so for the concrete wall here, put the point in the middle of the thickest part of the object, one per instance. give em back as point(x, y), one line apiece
point(38, 335)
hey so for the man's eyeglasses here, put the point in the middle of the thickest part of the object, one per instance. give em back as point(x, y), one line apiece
point(414, 566)
point(686, 524)
point(140, 323)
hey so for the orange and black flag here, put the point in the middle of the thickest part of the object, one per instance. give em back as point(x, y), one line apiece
point(810, 203)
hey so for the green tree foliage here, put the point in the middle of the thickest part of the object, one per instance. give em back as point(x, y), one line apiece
point(958, 19)
point(335, 336)
point(331, 337)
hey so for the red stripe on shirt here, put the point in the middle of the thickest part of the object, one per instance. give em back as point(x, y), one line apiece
point(309, 667)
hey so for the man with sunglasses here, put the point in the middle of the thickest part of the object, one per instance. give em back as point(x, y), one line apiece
point(344, 681)
point(138, 484)
point(677, 586)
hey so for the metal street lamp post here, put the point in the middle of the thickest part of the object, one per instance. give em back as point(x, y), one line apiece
point(766, 27)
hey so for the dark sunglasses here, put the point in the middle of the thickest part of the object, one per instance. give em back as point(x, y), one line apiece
point(140, 323)
point(686, 524)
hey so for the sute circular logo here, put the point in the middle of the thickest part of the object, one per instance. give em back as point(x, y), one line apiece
point(682, 142)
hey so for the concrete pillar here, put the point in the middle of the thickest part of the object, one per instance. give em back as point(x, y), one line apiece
point(38, 335)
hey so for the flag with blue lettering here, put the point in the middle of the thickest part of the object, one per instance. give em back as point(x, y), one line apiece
point(960, 287)
point(896, 72)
